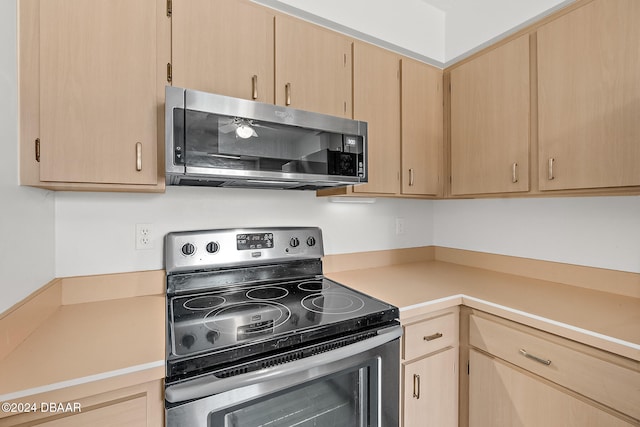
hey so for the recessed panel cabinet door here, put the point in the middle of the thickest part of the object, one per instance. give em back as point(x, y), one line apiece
point(500, 395)
point(421, 128)
point(376, 100)
point(490, 121)
point(313, 68)
point(224, 47)
point(98, 91)
point(589, 97)
point(431, 391)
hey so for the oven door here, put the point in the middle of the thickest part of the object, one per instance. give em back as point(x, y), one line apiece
point(353, 386)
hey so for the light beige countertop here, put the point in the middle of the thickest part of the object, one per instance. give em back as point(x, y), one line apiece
point(87, 342)
point(605, 320)
point(112, 327)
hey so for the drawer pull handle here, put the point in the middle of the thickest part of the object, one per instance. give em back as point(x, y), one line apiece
point(432, 337)
point(416, 386)
point(536, 358)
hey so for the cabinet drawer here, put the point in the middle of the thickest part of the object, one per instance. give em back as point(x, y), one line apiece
point(430, 335)
point(614, 385)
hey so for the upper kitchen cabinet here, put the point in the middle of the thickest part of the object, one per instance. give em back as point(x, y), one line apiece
point(589, 97)
point(313, 67)
point(224, 47)
point(490, 105)
point(376, 100)
point(92, 76)
point(422, 127)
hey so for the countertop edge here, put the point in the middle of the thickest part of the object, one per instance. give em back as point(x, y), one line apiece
point(595, 339)
point(85, 380)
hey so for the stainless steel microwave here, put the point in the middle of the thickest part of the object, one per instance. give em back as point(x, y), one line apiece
point(215, 140)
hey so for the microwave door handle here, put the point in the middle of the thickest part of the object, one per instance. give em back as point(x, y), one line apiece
point(210, 384)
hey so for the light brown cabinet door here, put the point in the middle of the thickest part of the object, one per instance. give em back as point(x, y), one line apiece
point(422, 128)
point(376, 100)
point(98, 91)
point(500, 395)
point(431, 391)
point(490, 121)
point(130, 413)
point(224, 47)
point(589, 92)
point(313, 68)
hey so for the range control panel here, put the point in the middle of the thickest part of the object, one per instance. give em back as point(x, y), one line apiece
point(209, 249)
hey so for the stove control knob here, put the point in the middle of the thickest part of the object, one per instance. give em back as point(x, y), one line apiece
point(213, 247)
point(294, 242)
point(188, 249)
point(311, 241)
point(188, 340)
point(212, 336)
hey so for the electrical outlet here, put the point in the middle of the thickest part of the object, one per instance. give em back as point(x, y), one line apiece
point(399, 225)
point(144, 236)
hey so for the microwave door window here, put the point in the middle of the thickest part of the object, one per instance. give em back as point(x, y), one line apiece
point(217, 141)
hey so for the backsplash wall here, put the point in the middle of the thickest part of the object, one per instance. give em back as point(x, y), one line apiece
point(95, 232)
point(593, 231)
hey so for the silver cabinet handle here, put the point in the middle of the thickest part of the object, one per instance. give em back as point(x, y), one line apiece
point(411, 175)
point(416, 386)
point(432, 337)
point(536, 358)
point(254, 87)
point(550, 169)
point(287, 92)
point(138, 156)
point(514, 173)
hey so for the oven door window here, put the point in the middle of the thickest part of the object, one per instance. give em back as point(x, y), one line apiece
point(345, 399)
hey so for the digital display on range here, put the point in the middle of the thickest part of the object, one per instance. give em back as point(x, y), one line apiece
point(254, 241)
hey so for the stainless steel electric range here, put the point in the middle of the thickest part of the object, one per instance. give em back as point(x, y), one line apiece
point(257, 336)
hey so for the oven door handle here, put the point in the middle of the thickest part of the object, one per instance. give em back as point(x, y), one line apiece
point(210, 384)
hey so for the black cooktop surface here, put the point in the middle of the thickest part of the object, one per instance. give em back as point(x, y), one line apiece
point(217, 319)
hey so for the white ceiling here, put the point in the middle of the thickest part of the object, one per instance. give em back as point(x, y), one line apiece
point(440, 32)
point(445, 5)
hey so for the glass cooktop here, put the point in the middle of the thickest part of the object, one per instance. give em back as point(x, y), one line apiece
point(214, 320)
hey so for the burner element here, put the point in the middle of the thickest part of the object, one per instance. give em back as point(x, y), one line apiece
point(204, 302)
point(267, 293)
point(247, 319)
point(314, 286)
point(332, 303)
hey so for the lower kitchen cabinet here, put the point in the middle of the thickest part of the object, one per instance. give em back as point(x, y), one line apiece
point(430, 370)
point(501, 395)
point(136, 406)
point(430, 390)
point(520, 376)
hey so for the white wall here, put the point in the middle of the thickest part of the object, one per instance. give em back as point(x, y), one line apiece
point(594, 231)
point(26, 214)
point(95, 232)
